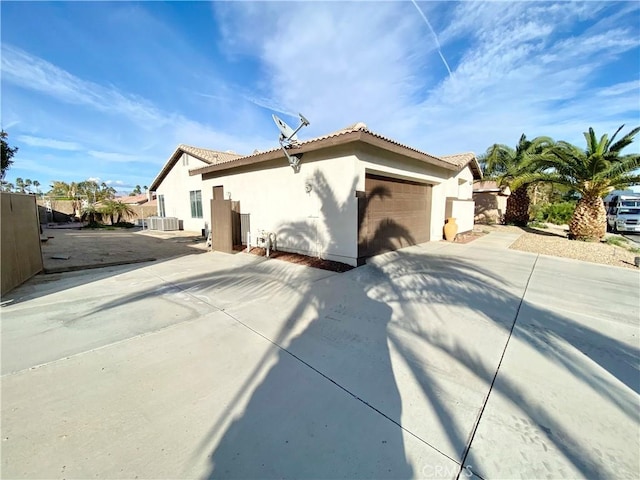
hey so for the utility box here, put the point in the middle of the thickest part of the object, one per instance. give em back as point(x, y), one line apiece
point(164, 224)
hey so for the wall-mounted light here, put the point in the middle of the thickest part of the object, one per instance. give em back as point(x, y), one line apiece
point(308, 187)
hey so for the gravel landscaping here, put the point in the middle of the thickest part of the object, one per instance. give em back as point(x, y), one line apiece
point(553, 241)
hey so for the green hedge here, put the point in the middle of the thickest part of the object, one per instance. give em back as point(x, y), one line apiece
point(559, 213)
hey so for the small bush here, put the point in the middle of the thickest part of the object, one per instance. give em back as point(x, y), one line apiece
point(537, 224)
point(559, 213)
point(124, 225)
point(617, 241)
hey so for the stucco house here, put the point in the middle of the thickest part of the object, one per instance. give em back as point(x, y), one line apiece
point(356, 194)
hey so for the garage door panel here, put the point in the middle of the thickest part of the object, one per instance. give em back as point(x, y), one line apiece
point(397, 219)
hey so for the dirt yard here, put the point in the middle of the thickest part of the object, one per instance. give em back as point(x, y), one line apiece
point(73, 249)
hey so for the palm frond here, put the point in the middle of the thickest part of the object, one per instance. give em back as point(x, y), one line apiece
point(592, 142)
point(623, 166)
point(613, 137)
point(624, 141)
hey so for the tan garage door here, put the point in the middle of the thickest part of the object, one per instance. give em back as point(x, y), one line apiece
point(392, 214)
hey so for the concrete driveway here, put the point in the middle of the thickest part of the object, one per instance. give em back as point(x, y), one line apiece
point(437, 361)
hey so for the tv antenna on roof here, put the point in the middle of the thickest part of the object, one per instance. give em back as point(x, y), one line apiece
point(289, 139)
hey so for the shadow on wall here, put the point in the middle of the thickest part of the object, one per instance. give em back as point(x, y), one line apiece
point(489, 208)
point(319, 236)
point(54, 216)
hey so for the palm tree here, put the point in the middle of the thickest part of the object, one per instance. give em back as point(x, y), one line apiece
point(116, 210)
point(503, 164)
point(592, 172)
point(20, 185)
point(27, 184)
point(123, 210)
point(108, 209)
point(91, 214)
point(105, 192)
point(36, 184)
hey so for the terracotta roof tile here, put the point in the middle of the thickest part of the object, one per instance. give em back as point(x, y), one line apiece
point(133, 199)
point(208, 156)
point(458, 160)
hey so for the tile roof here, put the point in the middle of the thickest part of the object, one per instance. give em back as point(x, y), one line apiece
point(459, 159)
point(210, 157)
point(492, 187)
point(133, 199)
point(451, 162)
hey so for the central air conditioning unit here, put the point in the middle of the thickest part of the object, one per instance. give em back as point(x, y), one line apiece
point(164, 224)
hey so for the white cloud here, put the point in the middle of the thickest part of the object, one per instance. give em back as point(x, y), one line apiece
point(350, 61)
point(148, 128)
point(28, 71)
point(518, 68)
point(121, 157)
point(632, 87)
point(49, 143)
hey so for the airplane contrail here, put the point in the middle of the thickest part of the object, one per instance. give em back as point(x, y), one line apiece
point(435, 37)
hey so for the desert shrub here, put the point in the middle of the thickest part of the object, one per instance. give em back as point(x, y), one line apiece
point(124, 224)
point(617, 241)
point(558, 213)
point(537, 224)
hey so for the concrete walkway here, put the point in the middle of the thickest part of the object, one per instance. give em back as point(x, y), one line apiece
point(437, 361)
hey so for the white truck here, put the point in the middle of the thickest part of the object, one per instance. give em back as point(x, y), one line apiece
point(623, 211)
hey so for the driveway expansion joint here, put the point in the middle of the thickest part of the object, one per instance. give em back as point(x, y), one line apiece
point(495, 376)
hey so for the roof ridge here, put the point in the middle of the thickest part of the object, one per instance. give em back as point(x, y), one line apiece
point(226, 152)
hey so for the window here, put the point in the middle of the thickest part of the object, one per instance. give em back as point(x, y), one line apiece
point(196, 203)
point(161, 211)
point(185, 160)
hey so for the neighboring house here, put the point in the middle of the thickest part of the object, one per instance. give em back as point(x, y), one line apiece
point(142, 206)
point(143, 198)
point(490, 202)
point(356, 194)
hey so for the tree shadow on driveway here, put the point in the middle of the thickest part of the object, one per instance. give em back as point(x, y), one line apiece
point(441, 322)
point(371, 367)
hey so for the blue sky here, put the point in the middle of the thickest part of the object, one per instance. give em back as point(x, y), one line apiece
point(108, 90)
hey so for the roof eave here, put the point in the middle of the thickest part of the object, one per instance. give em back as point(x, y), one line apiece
point(170, 163)
point(475, 168)
point(165, 170)
point(277, 154)
point(345, 138)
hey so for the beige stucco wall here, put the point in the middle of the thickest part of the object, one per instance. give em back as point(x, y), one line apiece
point(176, 187)
point(489, 207)
point(20, 240)
point(322, 222)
